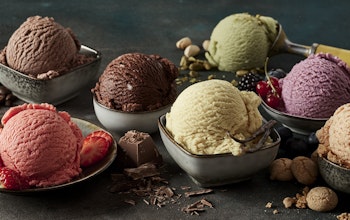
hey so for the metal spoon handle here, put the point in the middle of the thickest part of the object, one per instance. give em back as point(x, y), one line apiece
point(297, 49)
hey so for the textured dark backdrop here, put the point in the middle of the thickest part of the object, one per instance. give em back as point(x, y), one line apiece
point(117, 27)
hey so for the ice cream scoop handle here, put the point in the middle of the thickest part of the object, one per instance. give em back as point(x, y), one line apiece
point(341, 53)
point(298, 49)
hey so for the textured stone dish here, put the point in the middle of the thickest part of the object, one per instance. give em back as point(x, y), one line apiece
point(300, 125)
point(219, 169)
point(54, 91)
point(335, 176)
point(121, 122)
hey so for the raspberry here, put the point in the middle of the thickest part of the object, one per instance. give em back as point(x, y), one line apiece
point(248, 82)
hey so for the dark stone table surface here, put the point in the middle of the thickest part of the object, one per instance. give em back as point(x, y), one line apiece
point(116, 27)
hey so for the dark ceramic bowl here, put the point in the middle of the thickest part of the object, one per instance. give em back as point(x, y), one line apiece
point(300, 125)
point(121, 122)
point(54, 91)
point(335, 176)
point(219, 169)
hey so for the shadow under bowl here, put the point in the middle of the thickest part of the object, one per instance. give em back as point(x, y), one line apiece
point(121, 122)
point(299, 125)
point(335, 176)
point(218, 169)
point(54, 91)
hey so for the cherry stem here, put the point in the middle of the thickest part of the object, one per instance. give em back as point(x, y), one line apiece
point(269, 79)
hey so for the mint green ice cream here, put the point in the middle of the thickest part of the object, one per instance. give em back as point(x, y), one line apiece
point(241, 42)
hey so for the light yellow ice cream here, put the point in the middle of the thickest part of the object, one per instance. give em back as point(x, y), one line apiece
point(334, 137)
point(241, 41)
point(205, 112)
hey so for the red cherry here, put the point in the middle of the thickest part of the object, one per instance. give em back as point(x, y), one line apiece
point(278, 90)
point(272, 100)
point(262, 88)
point(274, 81)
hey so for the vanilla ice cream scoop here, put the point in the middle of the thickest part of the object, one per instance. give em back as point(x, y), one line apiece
point(206, 114)
point(241, 41)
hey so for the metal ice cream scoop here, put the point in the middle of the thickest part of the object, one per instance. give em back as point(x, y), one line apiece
point(283, 45)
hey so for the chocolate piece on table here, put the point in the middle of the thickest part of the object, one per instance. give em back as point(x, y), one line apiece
point(137, 148)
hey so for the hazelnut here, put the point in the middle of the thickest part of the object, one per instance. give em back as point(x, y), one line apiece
point(183, 43)
point(191, 51)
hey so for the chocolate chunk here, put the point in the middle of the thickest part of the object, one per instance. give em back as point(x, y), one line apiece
point(137, 148)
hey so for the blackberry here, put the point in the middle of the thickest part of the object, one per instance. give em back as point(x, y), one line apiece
point(248, 82)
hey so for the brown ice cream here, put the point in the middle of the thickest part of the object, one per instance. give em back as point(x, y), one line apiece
point(42, 48)
point(138, 148)
point(137, 82)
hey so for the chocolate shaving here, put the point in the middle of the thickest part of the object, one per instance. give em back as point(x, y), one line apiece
point(144, 181)
point(130, 201)
point(185, 187)
point(198, 192)
point(198, 206)
point(143, 171)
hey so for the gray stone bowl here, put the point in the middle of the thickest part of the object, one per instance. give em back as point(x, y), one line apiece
point(299, 125)
point(219, 169)
point(54, 91)
point(120, 122)
point(335, 176)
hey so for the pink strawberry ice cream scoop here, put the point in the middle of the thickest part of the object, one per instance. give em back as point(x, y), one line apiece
point(316, 86)
point(41, 144)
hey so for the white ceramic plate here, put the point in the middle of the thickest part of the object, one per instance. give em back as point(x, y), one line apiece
point(87, 173)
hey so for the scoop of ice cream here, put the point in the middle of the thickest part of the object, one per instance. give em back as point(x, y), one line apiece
point(205, 112)
point(241, 41)
point(334, 138)
point(39, 45)
point(316, 86)
point(304, 170)
point(41, 144)
point(137, 82)
point(321, 199)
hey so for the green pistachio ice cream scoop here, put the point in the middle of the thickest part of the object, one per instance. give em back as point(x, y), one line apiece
point(243, 42)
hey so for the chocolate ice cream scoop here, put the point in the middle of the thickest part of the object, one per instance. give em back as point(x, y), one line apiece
point(40, 45)
point(137, 82)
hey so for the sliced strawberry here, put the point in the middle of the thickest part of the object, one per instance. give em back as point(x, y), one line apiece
point(101, 133)
point(10, 179)
point(1, 163)
point(94, 149)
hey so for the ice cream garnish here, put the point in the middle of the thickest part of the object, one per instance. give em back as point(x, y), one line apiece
point(10, 179)
point(269, 90)
point(264, 130)
point(95, 147)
